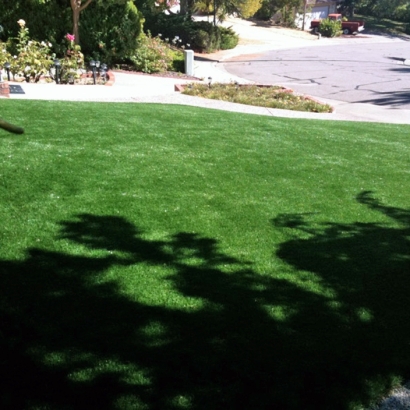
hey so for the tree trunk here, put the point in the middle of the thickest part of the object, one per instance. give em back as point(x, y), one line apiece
point(77, 7)
point(76, 19)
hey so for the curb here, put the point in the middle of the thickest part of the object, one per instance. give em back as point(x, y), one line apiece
point(111, 79)
point(4, 89)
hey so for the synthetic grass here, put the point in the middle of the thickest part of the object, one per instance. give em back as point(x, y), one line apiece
point(162, 257)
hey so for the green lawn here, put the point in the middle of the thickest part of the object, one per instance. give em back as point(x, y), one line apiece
point(161, 257)
point(381, 25)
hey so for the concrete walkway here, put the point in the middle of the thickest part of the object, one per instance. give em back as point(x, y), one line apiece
point(134, 88)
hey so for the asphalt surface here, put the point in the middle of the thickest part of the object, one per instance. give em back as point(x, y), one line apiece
point(373, 73)
point(254, 42)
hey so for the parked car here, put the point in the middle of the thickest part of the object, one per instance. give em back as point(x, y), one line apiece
point(348, 27)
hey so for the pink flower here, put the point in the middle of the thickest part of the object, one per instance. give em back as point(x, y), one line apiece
point(70, 37)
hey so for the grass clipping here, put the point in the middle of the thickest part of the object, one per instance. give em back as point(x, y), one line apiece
point(261, 96)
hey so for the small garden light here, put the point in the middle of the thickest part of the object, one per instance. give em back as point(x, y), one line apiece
point(7, 67)
point(93, 65)
point(57, 66)
point(103, 71)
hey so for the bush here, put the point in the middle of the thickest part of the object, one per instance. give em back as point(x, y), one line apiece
point(178, 61)
point(46, 19)
point(110, 32)
point(169, 26)
point(32, 58)
point(72, 62)
point(330, 28)
point(229, 39)
point(152, 55)
point(207, 37)
point(201, 36)
point(265, 12)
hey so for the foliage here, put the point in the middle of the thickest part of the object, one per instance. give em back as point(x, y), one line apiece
point(109, 29)
point(382, 25)
point(398, 10)
point(266, 11)
point(48, 19)
point(395, 9)
point(283, 9)
point(330, 28)
point(207, 37)
point(169, 26)
point(153, 55)
point(178, 61)
point(248, 8)
point(32, 58)
point(347, 7)
point(110, 33)
point(271, 97)
point(201, 36)
point(204, 7)
point(73, 61)
point(229, 39)
point(5, 55)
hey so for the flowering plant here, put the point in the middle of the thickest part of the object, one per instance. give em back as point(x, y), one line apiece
point(153, 55)
point(5, 56)
point(33, 57)
point(73, 62)
point(70, 38)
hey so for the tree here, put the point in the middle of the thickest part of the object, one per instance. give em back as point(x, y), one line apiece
point(109, 30)
point(249, 7)
point(77, 6)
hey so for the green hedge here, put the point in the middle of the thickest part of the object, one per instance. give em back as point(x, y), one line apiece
point(107, 31)
point(201, 36)
point(110, 33)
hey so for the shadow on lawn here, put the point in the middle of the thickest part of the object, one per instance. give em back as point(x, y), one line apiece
point(319, 352)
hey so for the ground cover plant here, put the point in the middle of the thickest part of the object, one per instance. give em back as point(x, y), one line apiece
point(383, 25)
point(270, 97)
point(164, 257)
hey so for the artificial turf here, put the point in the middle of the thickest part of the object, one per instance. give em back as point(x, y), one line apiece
point(166, 257)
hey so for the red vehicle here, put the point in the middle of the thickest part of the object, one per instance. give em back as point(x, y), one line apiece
point(348, 27)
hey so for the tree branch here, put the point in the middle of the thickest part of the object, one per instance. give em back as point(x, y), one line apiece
point(85, 5)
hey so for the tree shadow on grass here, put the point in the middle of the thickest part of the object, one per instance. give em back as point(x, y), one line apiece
point(71, 340)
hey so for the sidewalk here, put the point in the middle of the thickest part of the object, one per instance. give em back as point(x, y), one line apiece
point(134, 88)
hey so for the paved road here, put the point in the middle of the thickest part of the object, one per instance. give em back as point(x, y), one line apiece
point(356, 73)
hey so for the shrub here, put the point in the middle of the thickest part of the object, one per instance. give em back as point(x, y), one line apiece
point(266, 11)
point(46, 19)
point(248, 8)
point(202, 36)
point(152, 55)
point(5, 56)
point(206, 37)
point(109, 32)
point(178, 61)
point(72, 62)
point(31, 58)
point(229, 39)
point(330, 28)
